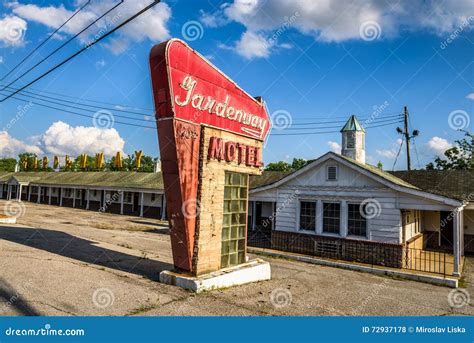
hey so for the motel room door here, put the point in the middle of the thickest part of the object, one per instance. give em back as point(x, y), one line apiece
point(446, 230)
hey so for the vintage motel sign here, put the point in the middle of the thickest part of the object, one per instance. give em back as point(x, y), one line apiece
point(56, 162)
point(210, 133)
point(138, 158)
point(99, 160)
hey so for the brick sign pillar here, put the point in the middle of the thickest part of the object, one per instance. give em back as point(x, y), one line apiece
point(208, 127)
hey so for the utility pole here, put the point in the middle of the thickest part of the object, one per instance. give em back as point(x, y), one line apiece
point(407, 136)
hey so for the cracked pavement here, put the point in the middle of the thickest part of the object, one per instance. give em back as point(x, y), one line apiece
point(71, 262)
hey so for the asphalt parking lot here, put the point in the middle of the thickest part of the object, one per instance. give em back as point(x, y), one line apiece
point(62, 261)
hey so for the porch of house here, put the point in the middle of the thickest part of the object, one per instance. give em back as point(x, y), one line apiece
point(429, 242)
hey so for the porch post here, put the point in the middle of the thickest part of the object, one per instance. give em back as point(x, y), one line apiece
point(50, 190)
point(274, 214)
point(19, 192)
point(88, 191)
point(38, 199)
point(9, 193)
point(29, 192)
point(343, 224)
point(163, 207)
point(141, 204)
point(122, 195)
point(254, 212)
point(61, 196)
point(1, 191)
point(319, 217)
point(73, 197)
point(456, 241)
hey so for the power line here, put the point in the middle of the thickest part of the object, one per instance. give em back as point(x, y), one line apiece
point(381, 120)
point(40, 97)
point(398, 154)
point(85, 48)
point(87, 100)
point(46, 40)
point(60, 47)
point(365, 116)
point(323, 132)
point(80, 114)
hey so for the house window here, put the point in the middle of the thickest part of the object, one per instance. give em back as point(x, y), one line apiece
point(350, 140)
point(95, 192)
point(356, 223)
point(307, 215)
point(127, 197)
point(234, 221)
point(153, 196)
point(331, 217)
point(331, 173)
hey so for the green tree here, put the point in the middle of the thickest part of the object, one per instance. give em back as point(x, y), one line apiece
point(278, 166)
point(298, 163)
point(7, 164)
point(460, 156)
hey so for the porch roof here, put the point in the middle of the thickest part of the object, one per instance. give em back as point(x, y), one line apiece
point(456, 184)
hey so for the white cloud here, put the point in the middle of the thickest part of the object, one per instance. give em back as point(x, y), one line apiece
point(62, 139)
point(392, 152)
point(11, 147)
point(12, 31)
point(470, 96)
point(252, 45)
point(334, 146)
point(337, 21)
point(100, 63)
point(152, 24)
point(438, 145)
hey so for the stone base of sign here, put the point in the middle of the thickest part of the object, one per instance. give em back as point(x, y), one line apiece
point(252, 271)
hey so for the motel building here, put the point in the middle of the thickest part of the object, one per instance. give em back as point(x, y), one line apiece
point(337, 207)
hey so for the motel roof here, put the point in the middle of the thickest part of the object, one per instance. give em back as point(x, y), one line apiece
point(455, 184)
point(115, 179)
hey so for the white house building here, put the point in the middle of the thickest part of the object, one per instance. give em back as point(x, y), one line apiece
point(340, 207)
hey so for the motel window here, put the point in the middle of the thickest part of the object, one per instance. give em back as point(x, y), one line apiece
point(234, 221)
point(331, 217)
point(356, 223)
point(307, 215)
point(331, 173)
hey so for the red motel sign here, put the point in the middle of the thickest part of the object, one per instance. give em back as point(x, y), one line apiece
point(200, 93)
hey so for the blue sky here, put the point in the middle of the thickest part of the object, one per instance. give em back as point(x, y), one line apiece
point(312, 61)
